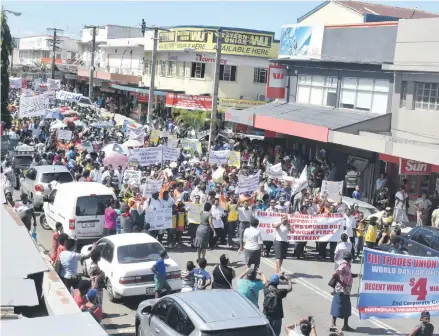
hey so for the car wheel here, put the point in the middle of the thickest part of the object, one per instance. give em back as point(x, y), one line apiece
point(43, 222)
point(111, 296)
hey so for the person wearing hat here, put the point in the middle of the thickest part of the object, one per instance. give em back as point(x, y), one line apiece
point(425, 328)
point(341, 301)
point(249, 286)
point(273, 308)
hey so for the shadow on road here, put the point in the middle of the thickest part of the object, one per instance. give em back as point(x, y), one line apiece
point(372, 331)
point(305, 276)
point(113, 326)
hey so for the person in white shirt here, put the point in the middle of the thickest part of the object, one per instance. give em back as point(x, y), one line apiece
point(217, 220)
point(199, 190)
point(423, 206)
point(399, 212)
point(272, 208)
point(344, 246)
point(55, 182)
point(282, 207)
point(244, 217)
point(167, 203)
point(350, 228)
point(281, 242)
point(253, 244)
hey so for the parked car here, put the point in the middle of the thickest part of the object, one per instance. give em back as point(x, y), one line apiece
point(85, 102)
point(366, 208)
point(127, 260)
point(203, 313)
point(422, 241)
point(80, 208)
point(35, 182)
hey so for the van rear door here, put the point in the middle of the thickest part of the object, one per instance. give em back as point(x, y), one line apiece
point(89, 215)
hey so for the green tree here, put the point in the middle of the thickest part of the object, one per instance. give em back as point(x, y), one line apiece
point(194, 119)
point(6, 50)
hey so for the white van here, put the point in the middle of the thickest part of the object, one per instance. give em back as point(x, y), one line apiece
point(80, 207)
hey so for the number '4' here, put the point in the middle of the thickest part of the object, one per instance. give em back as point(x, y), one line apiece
point(420, 289)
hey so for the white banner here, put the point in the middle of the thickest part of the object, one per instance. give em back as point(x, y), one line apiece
point(332, 191)
point(64, 134)
point(202, 134)
point(146, 156)
point(68, 96)
point(172, 141)
point(152, 186)
point(298, 184)
point(323, 228)
point(275, 171)
point(15, 82)
point(159, 219)
point(219, 157)
point(247, 183)
point(170, 154)
point(34, 106)
point(54, 84)
point(194, 212)
point(132, 177)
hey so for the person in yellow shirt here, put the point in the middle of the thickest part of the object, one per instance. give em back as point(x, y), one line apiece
point(232, 219)
point(371, 233)
point(435, 218)
point(360, 230)
point(386, 221)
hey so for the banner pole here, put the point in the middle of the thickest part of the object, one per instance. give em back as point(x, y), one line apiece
point(361, 279)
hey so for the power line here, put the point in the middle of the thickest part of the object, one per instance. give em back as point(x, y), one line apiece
point(92, 66)
point(54, 41)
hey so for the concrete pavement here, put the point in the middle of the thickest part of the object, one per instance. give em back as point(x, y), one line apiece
point(310, 296)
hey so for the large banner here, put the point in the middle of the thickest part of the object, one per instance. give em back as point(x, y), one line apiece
point(34, 106)
point(332, 191)
point(189, 102)
point(53, 84)
point(275, 171)
point(194, 212)
point(321, 228)
point(146, 156)
point(159, 219)
point(219, 157)
point(170, 154)
point(398, 286)
point(68, 96)
point(248, 183)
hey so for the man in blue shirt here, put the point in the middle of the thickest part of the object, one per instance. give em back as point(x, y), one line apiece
point(202, 277)
point(249, 286)
point(356, 194)
point(159, 270)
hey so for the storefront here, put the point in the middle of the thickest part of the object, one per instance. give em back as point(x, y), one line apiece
point(417, 177)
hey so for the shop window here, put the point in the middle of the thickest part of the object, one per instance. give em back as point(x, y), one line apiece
point(163, 68)
point(172, 65)
point(181, 69)
point(260, 75)
point(364, 94)
point(198, 70)
point(317, 90)
point(147, 67)
point(228, 73)
point(427, 96)
point(403, 95)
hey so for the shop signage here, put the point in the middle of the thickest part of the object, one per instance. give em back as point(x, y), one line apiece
point(188, 102)
point(235, 42)
point(277, 81)
point(209, 57)
point(239, 103)
point(411, 167)
point(67, 68)
point(70, 76)
point(301, 42)
point(141, 98)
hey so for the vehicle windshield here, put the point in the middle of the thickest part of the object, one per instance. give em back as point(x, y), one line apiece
point(85, 101)
point(23, 160)
point(135, 253)
point(92, 205)
point(250, 331)
point(64, 177)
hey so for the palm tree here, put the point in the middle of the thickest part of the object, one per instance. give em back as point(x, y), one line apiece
point(193, 119)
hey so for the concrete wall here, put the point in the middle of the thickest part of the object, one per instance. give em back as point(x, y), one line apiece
point(333, 13)
point(127, 63)
point(363, 44)
point(35, 43)
point(111, 32)
point(418, 43)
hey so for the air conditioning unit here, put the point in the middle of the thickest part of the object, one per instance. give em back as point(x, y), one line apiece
point(261, 97)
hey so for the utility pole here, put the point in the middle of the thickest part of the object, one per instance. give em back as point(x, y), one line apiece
point(216, 80)
point(55, 47)
point(92, 63)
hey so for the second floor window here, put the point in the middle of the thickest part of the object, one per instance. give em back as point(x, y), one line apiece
point(317, 90)
point(172, 68)
point(260, 75)
point(163, 68)
point(427, 96)
point(228, 73)
point(403, 94)
point(147, 66)
point(198, 70)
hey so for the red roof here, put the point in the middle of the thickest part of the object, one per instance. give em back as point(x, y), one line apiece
point(385, 10)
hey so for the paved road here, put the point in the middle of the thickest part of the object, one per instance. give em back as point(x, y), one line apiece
point(310, 296)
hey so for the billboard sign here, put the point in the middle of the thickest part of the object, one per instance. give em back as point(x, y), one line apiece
point(301, 42)
point(189, 102)
point(277, 82)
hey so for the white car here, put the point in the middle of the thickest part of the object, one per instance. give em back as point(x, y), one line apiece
point(85, 102)
point(126, 260)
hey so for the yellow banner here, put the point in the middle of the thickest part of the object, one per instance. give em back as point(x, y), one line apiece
point(225, 103)
point(235, 42)
point(155, 135)
point(193, 212)
point(234, 159)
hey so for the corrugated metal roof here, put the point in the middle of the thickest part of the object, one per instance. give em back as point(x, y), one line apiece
point(18, 292)
point(65, 325)
point(313, 115)
point(19, 258)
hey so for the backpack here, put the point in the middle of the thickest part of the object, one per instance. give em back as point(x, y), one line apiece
point(271, 302)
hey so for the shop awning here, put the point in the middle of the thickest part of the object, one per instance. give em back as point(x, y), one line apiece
point(144, 90)
point(309, 122)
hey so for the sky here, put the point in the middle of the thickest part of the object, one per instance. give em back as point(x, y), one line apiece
point(73, 15)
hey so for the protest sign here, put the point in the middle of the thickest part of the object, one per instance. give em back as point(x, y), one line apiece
point(68, 96)
point(194, 212)
point(247, 183)
point(159, 219)
point(15, 82)
point(152, 186)
point(64, 134)
point(53, 84)
point(34, 105)
point(320, 228)
point(172, 141)
point(192, 145)
point(275, 171)
point(146, 156)
point(332, 191)
point(398, 286)
point(135, 132)
point(154, 137)
point(298, 184)
point(219, 157)
point(170, 154)
point(234, 159)
point(218, 175)
point(132, 177)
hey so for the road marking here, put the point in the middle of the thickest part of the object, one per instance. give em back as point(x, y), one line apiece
point(328, 296)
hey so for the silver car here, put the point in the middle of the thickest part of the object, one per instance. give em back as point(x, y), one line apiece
point(203, 313)
point(35, 183)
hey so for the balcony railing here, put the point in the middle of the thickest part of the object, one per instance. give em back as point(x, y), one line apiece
point(125, 71)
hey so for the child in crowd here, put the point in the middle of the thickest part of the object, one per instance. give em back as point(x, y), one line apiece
point(187, 279)
point(202, 277)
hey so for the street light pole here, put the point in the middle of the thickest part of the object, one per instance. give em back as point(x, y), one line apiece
point(216, 80)
point(152, 81)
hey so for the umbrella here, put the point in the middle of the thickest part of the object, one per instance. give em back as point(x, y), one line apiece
point(133, 143)
point(63, 109)
point(116, 159)
point(79, 123)
point(54, 115)
point(115, 148)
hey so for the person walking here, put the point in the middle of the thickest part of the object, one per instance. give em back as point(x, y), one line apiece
point(97, 277)
point(341, 301)
point(126, 219)
point(204, 230)
point(253, 244)
point(55, 242)
point(159, 270)
point(273, 308)
point(110, 218)
point(244, 216)
point(281, 242)
point(223, 274)
point(249, 286)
